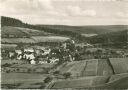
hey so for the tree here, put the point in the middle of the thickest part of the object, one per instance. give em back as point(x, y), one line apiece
point(6, 65)
point(56, 72)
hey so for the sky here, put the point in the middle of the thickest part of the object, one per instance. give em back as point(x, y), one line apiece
point(67, 12)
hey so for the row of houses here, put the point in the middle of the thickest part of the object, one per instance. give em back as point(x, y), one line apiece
point(32, 53)
point(29, 54)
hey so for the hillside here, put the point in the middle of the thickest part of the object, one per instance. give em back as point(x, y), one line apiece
point(103, 34)
point(116, 39)
point(19, 32)
point(63, 30)
point(88, 29)
point(7, 21)
point(92, 29)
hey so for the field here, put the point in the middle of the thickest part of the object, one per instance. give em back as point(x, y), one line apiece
point(90, 68)
point(118, 76)
point(120, 65)
point(49, 38)
point(12, 31)
point(93, 67)
point(93, 82)
point(20, 66)
point(104, 68)
point(119, 83)
point(75, 67)
point(18, 75)
point(80, 82)
point(24, 79)
point(20, 32)
point(17, 40)
point(10, 61)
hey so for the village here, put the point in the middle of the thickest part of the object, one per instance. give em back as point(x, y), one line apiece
point(35, 59)
point(67, 51)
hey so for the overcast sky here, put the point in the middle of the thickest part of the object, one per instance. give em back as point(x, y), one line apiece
point(67, 12)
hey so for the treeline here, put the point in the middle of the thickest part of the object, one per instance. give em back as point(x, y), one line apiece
point(7, 21)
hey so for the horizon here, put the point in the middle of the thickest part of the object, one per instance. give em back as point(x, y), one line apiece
point(67, 25)
point(67, 12)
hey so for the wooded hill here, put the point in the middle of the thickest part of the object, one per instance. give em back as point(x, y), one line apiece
point(106, 34)
point(116, 39)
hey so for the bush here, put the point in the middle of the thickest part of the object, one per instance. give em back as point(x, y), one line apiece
point(56, 72)
point(29, 70)
point(6, 65)
point(67, 75)
point(8, 71)
point(48, 79)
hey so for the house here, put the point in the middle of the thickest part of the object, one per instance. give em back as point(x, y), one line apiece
point(19, 57)
point(29, 50)
point(11, 54)
point(6, 48)
point(46, 51)
point(53, 60)
point(41, 50)
point(29, 56)
point(83, 45)
point(42, 62)
point(18, 52)
point(32, 62)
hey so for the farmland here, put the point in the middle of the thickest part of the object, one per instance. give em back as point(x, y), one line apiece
point(119, 65)
point(20, 66)
point(92, 67)
point(17, 40)
point(22, 79)
point(21, 32)
point(81, 82)
point(119, 81)
point(19, 75)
